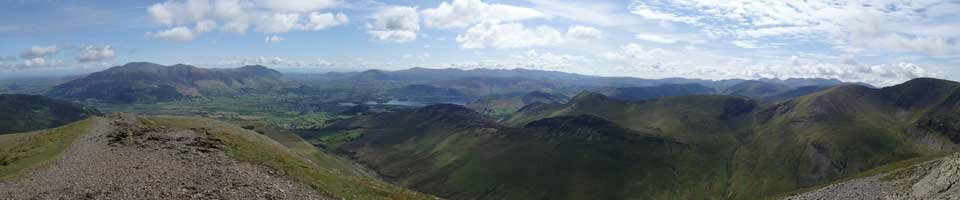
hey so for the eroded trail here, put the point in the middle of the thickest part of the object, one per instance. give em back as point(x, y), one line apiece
point(117, 159)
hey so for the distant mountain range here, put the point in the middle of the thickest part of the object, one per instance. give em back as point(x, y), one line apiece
point(149, 82)
point(686, 147)
point(23, 113)
point(512, 134)
point(556, 80)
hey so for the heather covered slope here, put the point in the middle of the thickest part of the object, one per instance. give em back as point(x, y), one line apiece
point(149, 82)
point(715, 146)
point(846, 130)
point(22, 113)
point(456, 153)
point(800, 142)
point(654, 92)
point(757, 89)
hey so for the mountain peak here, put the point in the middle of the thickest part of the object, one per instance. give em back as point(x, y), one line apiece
point(258, 70)
point(927, 82)
point(139, 64)
point(150, 82)
point(254, 67)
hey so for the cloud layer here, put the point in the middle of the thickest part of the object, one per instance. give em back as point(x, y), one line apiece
point(397, 24)
point(191, 18)
point(852, 26)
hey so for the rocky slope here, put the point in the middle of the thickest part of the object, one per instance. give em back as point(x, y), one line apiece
point(149, 82)
point(936, 179)
point(22, 113)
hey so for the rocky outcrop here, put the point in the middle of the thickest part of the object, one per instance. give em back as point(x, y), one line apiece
point(936, 179)
point(942, 182)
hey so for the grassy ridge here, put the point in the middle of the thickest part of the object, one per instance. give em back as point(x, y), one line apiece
point(23, 151)
point(258, 149)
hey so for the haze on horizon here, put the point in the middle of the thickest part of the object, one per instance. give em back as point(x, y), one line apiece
point(877, 42)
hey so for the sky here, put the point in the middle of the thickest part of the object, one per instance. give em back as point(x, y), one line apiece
point(881, 42)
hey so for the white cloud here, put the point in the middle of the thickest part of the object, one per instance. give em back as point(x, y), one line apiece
point(396, 24)
point(299, 5)
point(205, 26)
point(533, 59)
point(32, 63)
point(899, 43)
point(35, 62)
point(745, 44)
point(93, 53)
point(320, 21)
point(323, 63)
point(876, 26)
point(238, 16)
point(276, 62)
point(279, 23)
point(235, 27)
point(642, 58)
point(650, 13)
point(463, 13)
point(584, 33)
point(179, 12)
point(179, 34)
point(399, 36)
point(40, 51)
point(508, 35)
point(654, 38)
point(592, 12)
point(636, 60)
point(494, 34)
point(273, 39)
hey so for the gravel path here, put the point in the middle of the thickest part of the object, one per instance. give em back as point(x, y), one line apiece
point(119, 159)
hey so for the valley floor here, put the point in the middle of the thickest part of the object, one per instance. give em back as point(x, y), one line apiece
point(117, 160)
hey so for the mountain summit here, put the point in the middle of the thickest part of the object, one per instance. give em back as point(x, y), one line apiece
point(149, 82)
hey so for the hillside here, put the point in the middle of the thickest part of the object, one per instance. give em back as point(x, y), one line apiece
point(654, 92)
point(920, 178)
point(503, 106)
point(149, 82)
point(138, 157)
point(721, 147)
point(23, 113)
point(757, 89)
point(577, 157)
